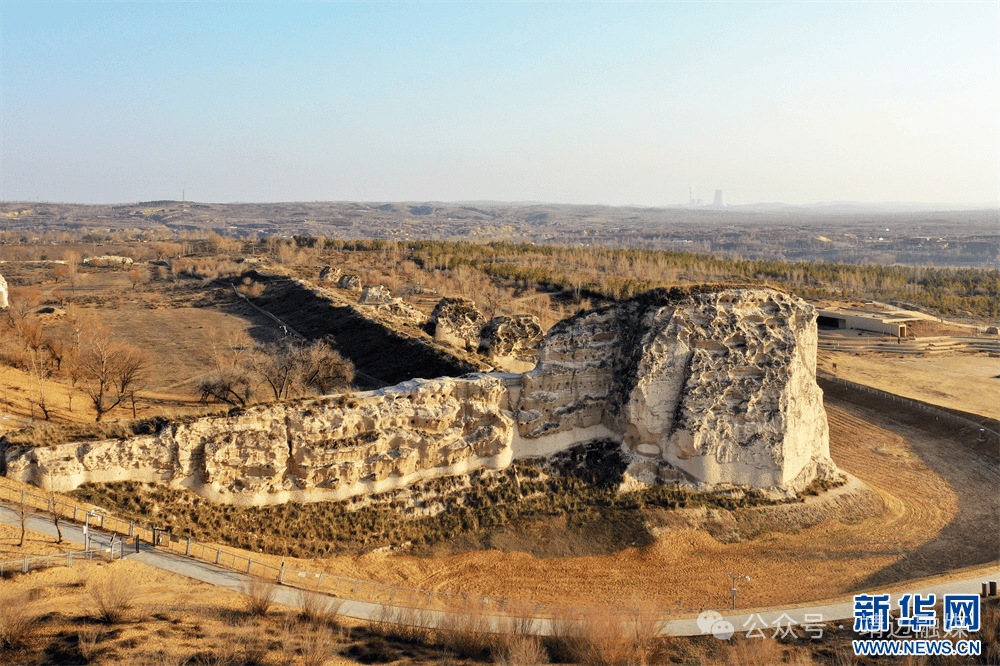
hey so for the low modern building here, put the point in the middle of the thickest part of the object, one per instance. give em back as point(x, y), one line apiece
point(887, 323)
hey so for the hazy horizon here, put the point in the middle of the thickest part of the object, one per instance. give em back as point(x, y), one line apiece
point(803, 104)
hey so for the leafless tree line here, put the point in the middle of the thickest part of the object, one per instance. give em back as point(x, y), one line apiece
point(245, 371)
point(108, 371)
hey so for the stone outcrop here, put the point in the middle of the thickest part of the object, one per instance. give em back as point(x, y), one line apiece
point(3, 292)
point(109, 261)
point(399, 312)
point(374, 295)
point(329, 274)
point(457, 321)
point(326, 449)
point(708, 388)
point(511, 343)
point(718, 385)
point(349, 282)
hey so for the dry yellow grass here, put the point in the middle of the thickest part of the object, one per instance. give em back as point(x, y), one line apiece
point(173, 620)
point(932, 496)
point(35, 543)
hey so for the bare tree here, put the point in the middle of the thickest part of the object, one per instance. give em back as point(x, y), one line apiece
point(233, 381)
point(322, 368)
point(288, 370)
point(56, 350)
point(60, 271)
point(39, 372)
point(111, 371)
point(235, 388)
point(138, 275)
point(56, 518)
point(23, 510)
point(21, 310)
point(72, 259)
point(276, 364)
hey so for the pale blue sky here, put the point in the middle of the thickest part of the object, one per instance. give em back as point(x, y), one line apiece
point(572, 102)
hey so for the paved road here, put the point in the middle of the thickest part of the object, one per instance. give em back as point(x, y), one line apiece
point(176, 563)
point(841, 613)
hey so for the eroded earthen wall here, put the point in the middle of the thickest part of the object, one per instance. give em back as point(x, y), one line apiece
point(716, 387)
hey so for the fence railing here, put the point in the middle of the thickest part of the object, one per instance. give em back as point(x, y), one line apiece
point(334, 584)
point(345, 587)
point(935, 345)
point(26, 564)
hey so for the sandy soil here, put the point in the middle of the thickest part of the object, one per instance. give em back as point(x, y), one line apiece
point(969, 382)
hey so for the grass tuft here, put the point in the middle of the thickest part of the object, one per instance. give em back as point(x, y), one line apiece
point(258, 595)
point(113, 597)
point(17, 619)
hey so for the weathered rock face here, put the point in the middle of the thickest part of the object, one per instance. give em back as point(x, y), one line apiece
point(457, 321)
point(713, 387)
point(326, 449)
point(349, 282)
point(329, 274)
point(511, 343)
point(396, 310)
point(374, 295)
point(109, 261)
point(3, 292)
point(718, 385)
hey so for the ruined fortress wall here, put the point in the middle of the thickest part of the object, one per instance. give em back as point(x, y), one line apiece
point(714, 388)
point(327, 449)
point(719, 385)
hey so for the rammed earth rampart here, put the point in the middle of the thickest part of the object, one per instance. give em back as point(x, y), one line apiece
point(709, 387)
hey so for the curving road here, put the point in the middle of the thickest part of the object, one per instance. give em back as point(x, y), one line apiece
point(832, 613)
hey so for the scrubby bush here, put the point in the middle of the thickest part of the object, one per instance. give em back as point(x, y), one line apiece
point(18, 620)
point(113, 596)
point(258, 595)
